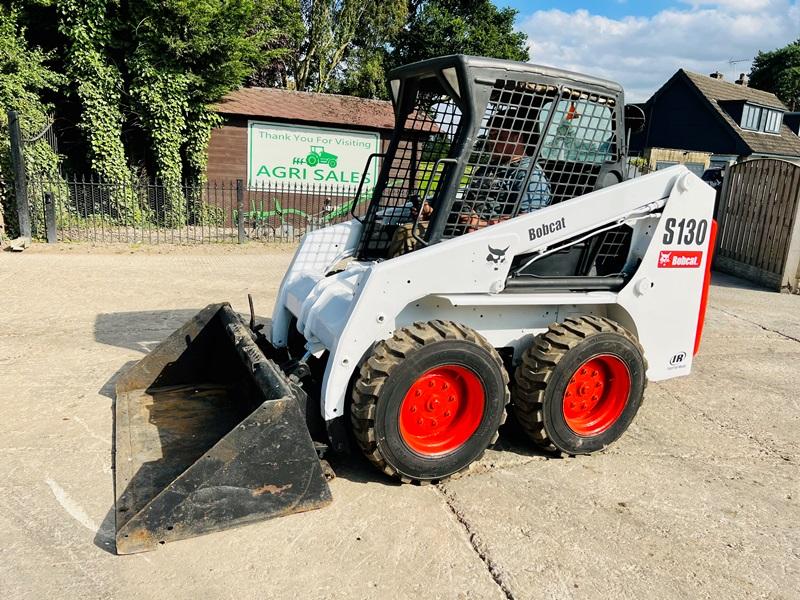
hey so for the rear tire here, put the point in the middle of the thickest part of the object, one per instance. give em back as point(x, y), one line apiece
point(429, 401)
point(579, 385)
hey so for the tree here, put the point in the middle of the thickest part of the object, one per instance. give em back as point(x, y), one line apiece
point(285, 34)
point(778, 72)
point(145, 75)
point(435, 28)
point(338, 31)
point(443, 27)
point(99, 86)
point(182, 57)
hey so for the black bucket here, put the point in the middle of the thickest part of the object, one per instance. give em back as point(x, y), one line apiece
point(208, 435)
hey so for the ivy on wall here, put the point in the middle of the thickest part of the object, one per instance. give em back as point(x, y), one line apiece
point(141, 77)
point(99, 84)
point(25, 75)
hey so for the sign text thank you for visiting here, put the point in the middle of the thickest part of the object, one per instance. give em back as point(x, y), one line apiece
point(315, 155)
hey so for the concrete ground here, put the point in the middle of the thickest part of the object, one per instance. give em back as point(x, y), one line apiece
point(699, 499)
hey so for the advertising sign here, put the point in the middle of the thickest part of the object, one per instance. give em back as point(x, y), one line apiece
point(280, 154)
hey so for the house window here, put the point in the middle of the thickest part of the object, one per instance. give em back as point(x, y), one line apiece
point(773, 121)
point(758, 118)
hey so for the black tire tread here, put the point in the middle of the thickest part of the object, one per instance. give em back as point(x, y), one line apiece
point(386, 355)
point(539, 360)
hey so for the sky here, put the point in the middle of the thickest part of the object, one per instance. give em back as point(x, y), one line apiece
point(641, 43)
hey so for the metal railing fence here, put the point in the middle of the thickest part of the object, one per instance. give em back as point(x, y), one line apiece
point(91, 209)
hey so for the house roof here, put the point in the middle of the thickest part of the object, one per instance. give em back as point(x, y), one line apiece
point(331, 109)
point(787, 143)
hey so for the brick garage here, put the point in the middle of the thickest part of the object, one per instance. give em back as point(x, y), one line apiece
point(227, 151)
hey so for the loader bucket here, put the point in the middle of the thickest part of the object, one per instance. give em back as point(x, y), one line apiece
point(208, 435)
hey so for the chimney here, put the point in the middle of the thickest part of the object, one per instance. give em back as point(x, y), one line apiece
point(716, 75)
point(743, 80)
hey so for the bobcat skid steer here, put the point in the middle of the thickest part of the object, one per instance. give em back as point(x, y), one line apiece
point(502, 262)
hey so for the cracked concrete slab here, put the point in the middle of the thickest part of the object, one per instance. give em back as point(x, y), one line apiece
point(698, 499)
point(79, 320)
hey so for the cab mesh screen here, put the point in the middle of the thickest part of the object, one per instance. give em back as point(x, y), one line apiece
point(538, 145)
point(409, 175)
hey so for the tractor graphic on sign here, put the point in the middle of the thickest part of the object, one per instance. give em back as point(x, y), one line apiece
point(318, 156)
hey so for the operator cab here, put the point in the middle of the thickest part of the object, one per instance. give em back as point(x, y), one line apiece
point(482, 140)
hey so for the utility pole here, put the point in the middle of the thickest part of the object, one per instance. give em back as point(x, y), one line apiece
point(20, 179)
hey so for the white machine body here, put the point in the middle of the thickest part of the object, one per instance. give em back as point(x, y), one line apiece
point(461, 279)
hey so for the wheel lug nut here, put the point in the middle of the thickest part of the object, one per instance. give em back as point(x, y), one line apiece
point(413, 409)
point(594, 398)
point(569, 394)
point(420, 421)
point(451, 398)
point(447, 413)
point(594, 373)
point(418, 393)
point(583, 371)
point(434, 423)
point(445, 386)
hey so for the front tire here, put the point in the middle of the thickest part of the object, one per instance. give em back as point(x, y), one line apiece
point(580, 385)
point(429, 401)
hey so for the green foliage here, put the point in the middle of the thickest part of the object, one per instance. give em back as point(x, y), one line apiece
point(433, 28)
point(24, 77)
point(778, 72)
point(99, 84)
point(443, 27)
point(207, 214)
point(142, 76)
point(340, 30)
point(146, 75)
point(283, 34)
point(184, 56)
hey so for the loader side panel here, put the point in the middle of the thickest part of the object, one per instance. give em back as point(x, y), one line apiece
point(665, 296)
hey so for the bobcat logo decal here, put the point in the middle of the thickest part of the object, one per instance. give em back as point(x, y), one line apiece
point(496, 257)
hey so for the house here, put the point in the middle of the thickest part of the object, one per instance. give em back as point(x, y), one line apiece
point(704, 120)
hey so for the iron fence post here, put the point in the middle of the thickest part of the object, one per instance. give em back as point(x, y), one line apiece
point(50, 218)
point(20, 179)
point(240, 209)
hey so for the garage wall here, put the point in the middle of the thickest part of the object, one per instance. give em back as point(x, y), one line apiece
point(227, 151)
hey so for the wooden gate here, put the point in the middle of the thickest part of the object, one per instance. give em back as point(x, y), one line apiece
point(759, 225)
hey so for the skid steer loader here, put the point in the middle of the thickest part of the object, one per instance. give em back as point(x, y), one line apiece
point(503, 262)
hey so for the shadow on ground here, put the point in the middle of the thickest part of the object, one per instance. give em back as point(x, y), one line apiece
point(139, 330)
point(144, 330)
point(720, 279)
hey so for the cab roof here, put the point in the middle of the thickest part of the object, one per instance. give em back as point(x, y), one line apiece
point(491, 69)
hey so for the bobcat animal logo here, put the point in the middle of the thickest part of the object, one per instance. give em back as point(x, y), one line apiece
point(665, 258)
point(496, 256)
